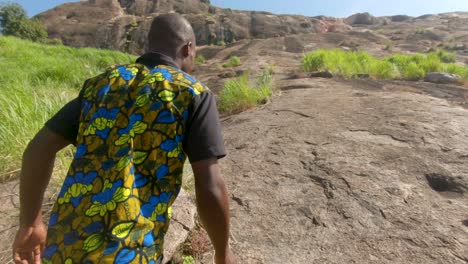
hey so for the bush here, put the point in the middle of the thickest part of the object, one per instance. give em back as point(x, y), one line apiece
point(237, 94)
point(445, 56)
point(14, 22)
point(314, 61)
point(233, 61)
point(200, 60)
point(456, 69)
point(412, 72)
point(11, 15)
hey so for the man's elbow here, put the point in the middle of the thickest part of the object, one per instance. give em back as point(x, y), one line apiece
point(44, 143)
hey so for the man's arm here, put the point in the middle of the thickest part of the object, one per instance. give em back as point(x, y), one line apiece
point(37, 166)
point(213, 207)
point(38, 163)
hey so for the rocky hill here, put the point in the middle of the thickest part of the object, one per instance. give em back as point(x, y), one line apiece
point(330, 170)
point(124, 24)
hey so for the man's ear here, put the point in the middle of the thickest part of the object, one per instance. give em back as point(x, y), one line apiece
point(187, 50)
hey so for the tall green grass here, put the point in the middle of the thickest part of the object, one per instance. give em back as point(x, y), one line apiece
point(398, 66)
point(239, 95)
point(36, 80)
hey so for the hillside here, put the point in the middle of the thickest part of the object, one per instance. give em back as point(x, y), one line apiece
point(329, 170)
point(36, 80)
point(123, 25)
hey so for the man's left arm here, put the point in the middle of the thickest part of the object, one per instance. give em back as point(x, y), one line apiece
point(37, 166)
point(38, 163)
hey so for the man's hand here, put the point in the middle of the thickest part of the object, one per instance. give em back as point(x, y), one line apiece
point(29, 244)
point(225, 257)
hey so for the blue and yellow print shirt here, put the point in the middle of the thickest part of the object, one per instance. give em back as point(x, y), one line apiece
point(133, 127)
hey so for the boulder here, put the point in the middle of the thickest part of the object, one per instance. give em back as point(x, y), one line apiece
point(442, 78)
point(400, 18)
point(182, 223)
point(361, 19)
point(321, 74)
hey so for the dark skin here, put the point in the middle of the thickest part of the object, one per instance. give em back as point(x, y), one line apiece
point(38, 162)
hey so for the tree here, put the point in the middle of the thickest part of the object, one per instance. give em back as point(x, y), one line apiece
point(14, 21)
point(11, 16)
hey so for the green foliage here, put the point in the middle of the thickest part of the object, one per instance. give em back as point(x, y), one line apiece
point(11, 15)
point(456, 69)
point(445, 56)
point(200, 60)
point(398, 66)
point(14, 22)
point(420, 31)
point(412, 72)
point(233, 61)
point(238, 95)
point(314, 61)
point(221, 43)
point(188, 260)
point(36, 80)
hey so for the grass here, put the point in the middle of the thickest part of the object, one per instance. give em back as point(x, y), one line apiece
point(238, 94)
point(200, 60)
point(233, 61)
point(398, 66)
point(36, 80)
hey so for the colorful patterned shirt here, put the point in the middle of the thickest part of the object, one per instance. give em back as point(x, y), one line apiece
point(134, 125)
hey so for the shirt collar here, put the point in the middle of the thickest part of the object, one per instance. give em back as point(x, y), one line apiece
point(153, 59)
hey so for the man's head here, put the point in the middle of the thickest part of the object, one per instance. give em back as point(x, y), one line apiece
point(172, 35)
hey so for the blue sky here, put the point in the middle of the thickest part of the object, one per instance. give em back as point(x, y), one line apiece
point(336, 8)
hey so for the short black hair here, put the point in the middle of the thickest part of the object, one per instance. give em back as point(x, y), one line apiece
point(170, 32)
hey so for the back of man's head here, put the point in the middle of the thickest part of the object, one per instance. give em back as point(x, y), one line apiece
point(169, 33)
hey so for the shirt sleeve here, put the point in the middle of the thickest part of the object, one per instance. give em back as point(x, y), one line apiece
point(203, 138)
point(67, 120)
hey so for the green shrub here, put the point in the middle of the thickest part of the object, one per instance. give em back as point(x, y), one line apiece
point(233, 61)
point(456, 69)
point(382, 70)
point(412, 72)
point(200, 60)
point(314, 61)
point(221, 43)
point(237, 94)
point(188, 260)
point(14, 22)
point(445, 56)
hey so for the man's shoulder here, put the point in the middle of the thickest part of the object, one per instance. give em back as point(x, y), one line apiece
point(124, 71)
point(178, 78)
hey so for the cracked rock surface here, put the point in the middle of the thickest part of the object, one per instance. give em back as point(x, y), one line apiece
point(349, 173)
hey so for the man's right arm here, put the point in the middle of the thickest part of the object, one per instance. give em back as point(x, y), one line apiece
point(213, 207)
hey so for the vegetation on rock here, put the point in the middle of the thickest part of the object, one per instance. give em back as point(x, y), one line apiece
point(398, 66)
point(233, 61)
point(238, 94)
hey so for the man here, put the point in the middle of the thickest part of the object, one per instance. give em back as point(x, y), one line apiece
point(133, 127)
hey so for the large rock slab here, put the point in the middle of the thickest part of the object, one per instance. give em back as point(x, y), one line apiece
point(349, 172)
point(182, 222)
